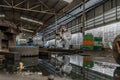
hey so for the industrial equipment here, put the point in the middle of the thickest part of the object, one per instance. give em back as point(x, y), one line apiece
point(8, 32)
point(10, 54)
point(21, 42)
point(29, 54)
point(116, 54)
point(116, 49)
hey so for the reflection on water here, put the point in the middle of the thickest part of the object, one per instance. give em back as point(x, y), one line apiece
point(102, 67)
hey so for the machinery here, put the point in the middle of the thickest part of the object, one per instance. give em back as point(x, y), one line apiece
point(10, 54)
point(21, 42)
point(28, 54)
point(116, 49)
point(8, 60)
point(116, 55)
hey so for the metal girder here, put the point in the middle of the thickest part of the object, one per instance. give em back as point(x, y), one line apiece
point(23, 25)
point(38, 29)
point(24, 9)
point(36, 6)
point(83, 17)
point(28, 4)
point(20, 3)
point(55, 14)
point(12, 3)
point(7, 2)
point(44, 4)
point(28, 8)
point(44, 14)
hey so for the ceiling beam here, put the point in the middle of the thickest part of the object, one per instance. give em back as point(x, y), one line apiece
point(38, 28)
point(12, 3)
point(51, 7)
point(28, 4)
point(20, 3)
point(52, 15)
point(24, 9)
point(7, 2)
point(24, 24)
point(37, 16)
point(44, 4)
point(45, 14)
point(58, 11)
point(36, 6)
point(62, 10)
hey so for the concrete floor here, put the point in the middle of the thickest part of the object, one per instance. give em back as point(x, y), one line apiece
point(26, 76)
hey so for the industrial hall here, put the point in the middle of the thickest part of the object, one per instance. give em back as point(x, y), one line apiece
point(59, 39)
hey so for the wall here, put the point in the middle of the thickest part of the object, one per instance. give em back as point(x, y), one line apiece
point(100, 21)
point(101, 14)
point(108, 32)
point(77, 40)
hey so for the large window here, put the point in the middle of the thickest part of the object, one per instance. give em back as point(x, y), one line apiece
point(108, 32)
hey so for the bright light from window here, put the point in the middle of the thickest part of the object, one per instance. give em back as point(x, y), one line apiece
point(69, 1)
point(31, 20)
point(27, 30)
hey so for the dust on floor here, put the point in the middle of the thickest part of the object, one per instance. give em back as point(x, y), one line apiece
point(26, 76)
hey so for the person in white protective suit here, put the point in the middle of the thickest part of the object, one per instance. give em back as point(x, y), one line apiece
point(58, 41)
point(66, 36)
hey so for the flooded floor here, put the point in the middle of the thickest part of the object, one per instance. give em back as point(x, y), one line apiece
point(26, 76)
point(31, 73)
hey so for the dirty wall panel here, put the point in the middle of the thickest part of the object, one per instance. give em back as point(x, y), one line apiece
point(90, 15)
point(99, 10)
point(107, 5)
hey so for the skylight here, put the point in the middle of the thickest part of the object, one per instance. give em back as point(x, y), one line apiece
point(31, 20)
point(68, 1)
